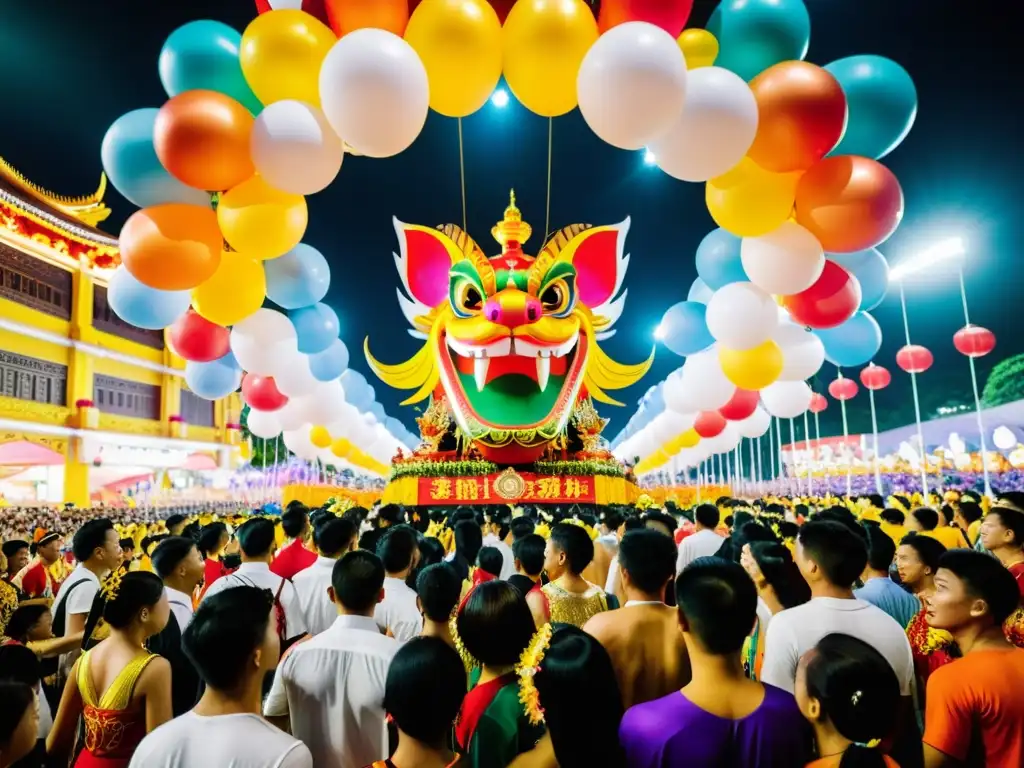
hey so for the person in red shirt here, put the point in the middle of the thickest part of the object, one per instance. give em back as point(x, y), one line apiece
point(1002, 534)
point(35, 580)
point(293, 556)
point(213, 540)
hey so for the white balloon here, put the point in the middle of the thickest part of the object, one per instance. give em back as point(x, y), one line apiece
point(741, 316)
point(331, 398)
point(786, 399)
point(724, 441)
point(297, 441)
point(264, 424)
point(290, 416)
point(294, 148)
point(705, 386)
point(261, 340)
point(755, 425)
point(716, 129)
point(699, 292)
point(632, 84)
point(668, 425)
point(1003, 438)
point(292, 375)
point(374, 92)
point(803, 354)
point(786, 261)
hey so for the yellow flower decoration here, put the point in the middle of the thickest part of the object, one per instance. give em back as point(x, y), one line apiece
point(580, 524)
point(529, 665)
point(112, 584)
point(543, 529)
point(644, 501)
point(453, 627)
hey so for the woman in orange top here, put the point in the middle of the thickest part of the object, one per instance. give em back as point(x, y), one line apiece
point(851, 697)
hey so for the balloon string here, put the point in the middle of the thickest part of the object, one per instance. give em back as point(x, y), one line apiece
point(462, 176)
point(547, 216)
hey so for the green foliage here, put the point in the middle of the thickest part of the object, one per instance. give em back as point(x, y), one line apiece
point(1005, 384)
point(472, 468)
point(264, 452)
point(577, 468)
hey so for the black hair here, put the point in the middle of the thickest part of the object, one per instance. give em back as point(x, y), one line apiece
point(495, 624)
point(169, 553)
point(633, 523)
point(707, 515)
point(15, 699)
point(893, 516)
point(779, 570)
point(334, 536)
point(20, 665)
point(293, 504)
point(173, 520)
point(469, 539)
point(520, 527)
point(192, 530)
point(576, 668)
point(425, 669)
point(224, 632)
point(858, 692)
point(529, 551)
point(209, 538)
point(881, 548)
point(90, 537)
point(575, 542)
point(838, 551)
point(718, 603)
point(397, 548)
point(748, 533)
point(23, 619)
point(926, 517)
point(356, 514)
point(788, 529)
point(368, 540)
point(1012, 520)
point(431, 551)
point(391, 514)
point(358, 578)
point(660, 519)
point(490, 560)
point(649, 557)
point(256, 537)
point(612, 518)
point(439, 589)
point(127, 543)
point(294, 520)
point(320, 516)
point(947, 512)
point(876, 500)
point(12, 547)
point(984, 578)
point(970, 511)
point(929, 551)
point(137, 590)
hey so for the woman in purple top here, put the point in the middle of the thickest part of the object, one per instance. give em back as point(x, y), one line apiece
point(721, 718)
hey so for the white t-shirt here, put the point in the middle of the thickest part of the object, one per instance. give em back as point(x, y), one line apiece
point(80, 600)
point(700, 544)
point(181, 607)
point(311, 586)
point(795, 631)
point(398, 612)
point(224, 741)
point(508, 559)
point(260, 575)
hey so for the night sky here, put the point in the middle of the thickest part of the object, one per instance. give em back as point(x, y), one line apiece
point(69, 69)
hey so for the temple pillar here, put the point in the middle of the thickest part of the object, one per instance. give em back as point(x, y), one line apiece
point(80, 366)
point(76, 477)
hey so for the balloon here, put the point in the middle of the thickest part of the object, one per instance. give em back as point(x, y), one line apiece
point(316, 326)
point(295, 149)
point(725, 441)
point(260, 221)
point(742, 316)
point(668, 425)
point(831, 301)
point(786, 399)
point(544, 44)
point(357, 391)
point(297, 441)
point(843, 389)
point(173, 247)
point(331, 363)
point(202, 139)
point(882, 101)
point(293, 375)
point(715, 130)
point(802, 352)
point(755, 425)
point(235, 291)
point(214, 380)
point(818, 403)
point(141, 305)
point(801, 116)
point(718, 260)
point(341, 448)
point(195, 338)
point(459, 43)
point(741, 405)
point(709, 424)
point(262, 337)
point(261, 393)
point(684, 330)
point(689, 438)
point(700, 48)
point(749, 201)
point(281, 55)
point(262, 424)
point(320, 437)
point(913, 358)
point(786, 261)
point(849, 203)
point(754, 368)
point(872, 272)
point(374, 92)
point(670, 15)
point(875, 377)
point(853, 343)
point(703, 382)
point(632, 85)
point(755, 34)
point(349, 15)
point(974, 341)
point(299, 278)
point(131, 164)
point(700, 292)
point(203, 55)
point(1004, 438)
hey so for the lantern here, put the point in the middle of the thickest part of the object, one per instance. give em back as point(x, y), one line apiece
point(875, 377)
point(913, 358)
point(843, 389)
point(818, 403)
point(974, 341)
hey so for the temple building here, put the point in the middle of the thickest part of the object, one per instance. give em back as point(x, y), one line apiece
point(81, 391)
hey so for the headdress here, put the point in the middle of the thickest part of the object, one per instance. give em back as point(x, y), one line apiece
point(453, 627)
point(42, 536)
point(580, 524)
point(112, 584)
point(529, 665)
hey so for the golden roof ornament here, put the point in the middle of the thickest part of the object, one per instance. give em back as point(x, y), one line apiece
point(512, 228)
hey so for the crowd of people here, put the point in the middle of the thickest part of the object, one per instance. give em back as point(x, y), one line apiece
point(773, 632)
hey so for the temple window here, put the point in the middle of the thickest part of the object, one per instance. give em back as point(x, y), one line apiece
point(126, 398)
point(27, 378)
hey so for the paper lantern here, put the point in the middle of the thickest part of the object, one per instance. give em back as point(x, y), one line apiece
point(913, 358)
point(974, 341)
point(818, 403)
point(875, 377)
point(843, 389)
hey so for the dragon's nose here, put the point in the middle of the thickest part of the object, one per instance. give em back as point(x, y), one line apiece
point(512, 308)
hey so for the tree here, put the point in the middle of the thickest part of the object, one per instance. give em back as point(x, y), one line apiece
point(264, 451)
point(1005, 384)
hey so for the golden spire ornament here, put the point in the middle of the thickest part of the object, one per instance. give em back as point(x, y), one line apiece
point(511, 229)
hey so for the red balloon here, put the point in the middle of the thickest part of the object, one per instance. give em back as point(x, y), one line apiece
point(196, 339)
point(315, 8)
point(831, 301)
point(843, 389)
point(741, 405)
point(914, 358)
point(670, 15)
point(818, 402)
point(974, 341)
point(875, 377)
point(261, 393)
point(709, 424)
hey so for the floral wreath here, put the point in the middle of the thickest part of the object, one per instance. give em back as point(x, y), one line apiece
point(529, 665)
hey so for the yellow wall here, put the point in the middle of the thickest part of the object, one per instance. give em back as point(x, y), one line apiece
point(108, 367)
point(41, 350)
point(19, 313)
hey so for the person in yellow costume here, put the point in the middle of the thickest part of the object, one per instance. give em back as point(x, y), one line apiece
point(573, 599)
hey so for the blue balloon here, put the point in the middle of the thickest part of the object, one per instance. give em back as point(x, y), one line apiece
point(204, 55)
point(718, 259)
point(756, 34)
point(142, 306)
point(131, 164)
point(215, 379)
point(853, 343)
point(316, 326)
point(872, 272)
point(882, 101)
point(377, 410)
point(299, 278)
point(331, 363)
point(357, 391)
point(395, 427)
point(684, 328)
point(699, 292)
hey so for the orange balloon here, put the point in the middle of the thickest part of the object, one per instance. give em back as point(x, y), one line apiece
point(849, 203)
point(202, 139)
point(801, 116)
point(173, 247)
point(348, 15)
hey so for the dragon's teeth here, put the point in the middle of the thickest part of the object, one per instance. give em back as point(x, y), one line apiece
point(480, 371)
point(543, 372)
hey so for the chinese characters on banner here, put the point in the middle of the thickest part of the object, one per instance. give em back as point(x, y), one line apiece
point(552, 489)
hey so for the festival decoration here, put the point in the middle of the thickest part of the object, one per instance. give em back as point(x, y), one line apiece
point(700, 48)
point(913, 358)
point(172, 247)
point(818, 404)
point(853, 343)
point(755, 34)
point(281, 55)
point(709, 424)
point(786, 261)
point(875, 377)
point(830, 302)
point(702, 383)
point(298, 279)
point(802, 352)
point(261, 393)
point(753, 368)
point(260, 221)
point(215, 379)
point(144, 306)
point(195, 338)
point(316, 327)
point(294, 149)
point(786, 399)
point(974, 341)
point(742, 316)
point(749, 201)
point(204, 55)
point(741, 405)
point(235, 291)
point(842, 388)
point(718, 262)
point(872, 272)
point(670, 15)
point(684, 328)
point(331, 363)
point(347, 16)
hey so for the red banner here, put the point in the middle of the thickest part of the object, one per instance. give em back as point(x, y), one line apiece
point(506, 487)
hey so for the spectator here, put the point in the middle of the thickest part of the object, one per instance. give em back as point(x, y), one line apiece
point(704, 541)
point(334, 538)
point(397, 614)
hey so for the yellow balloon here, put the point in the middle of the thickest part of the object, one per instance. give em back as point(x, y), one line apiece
point(689, 439)
point(752, 369)
point(260, 221)
point(281, 54)
point(319, 436)
point(700, 48)
point(236, 290)
point(750, 201)
point(341, 447)
point(544, 43)
point(459, 43)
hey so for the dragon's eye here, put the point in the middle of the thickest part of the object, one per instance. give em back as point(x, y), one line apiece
point(555, 298)
point(468, 298)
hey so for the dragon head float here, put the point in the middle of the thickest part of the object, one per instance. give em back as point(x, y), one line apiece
point(512, 342)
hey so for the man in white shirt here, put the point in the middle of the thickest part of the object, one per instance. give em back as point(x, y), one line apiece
point(705, 542)
point(233, 642)
point(331, 687)
point(398, 614)
point(497, 534)
point(333, 539)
